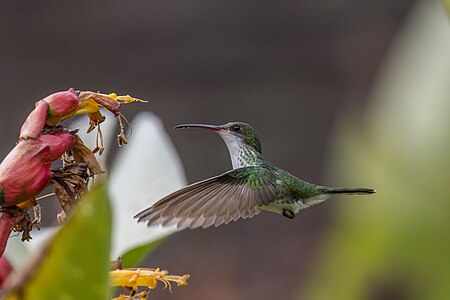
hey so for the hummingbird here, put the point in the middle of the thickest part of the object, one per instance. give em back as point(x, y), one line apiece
point(253, 185)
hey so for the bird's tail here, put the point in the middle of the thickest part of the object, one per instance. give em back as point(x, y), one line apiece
point(350, 191)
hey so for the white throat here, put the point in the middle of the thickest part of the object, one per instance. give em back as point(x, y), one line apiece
point(241, 154)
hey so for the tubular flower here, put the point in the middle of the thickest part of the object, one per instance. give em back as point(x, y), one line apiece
point(50, 111)
point(61, 106)
point(133, 278)
point(25, 172)
point(35, 121)
point(59, 142)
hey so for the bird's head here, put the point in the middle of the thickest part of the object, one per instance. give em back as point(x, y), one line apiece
point(233, 133)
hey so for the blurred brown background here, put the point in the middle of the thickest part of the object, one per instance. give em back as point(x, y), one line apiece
point(286, 67)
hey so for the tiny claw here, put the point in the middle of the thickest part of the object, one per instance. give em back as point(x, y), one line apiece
point(288, 213)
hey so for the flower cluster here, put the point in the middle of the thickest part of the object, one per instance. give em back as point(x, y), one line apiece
point(27, 170)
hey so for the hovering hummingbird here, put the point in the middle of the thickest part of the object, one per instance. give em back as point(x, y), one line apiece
point(252, 186)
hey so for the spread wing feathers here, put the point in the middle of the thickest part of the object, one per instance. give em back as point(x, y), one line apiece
point(236, 194)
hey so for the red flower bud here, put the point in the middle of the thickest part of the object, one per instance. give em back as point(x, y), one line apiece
point(50, 110)
point(59, 142)
point(24, 172)
point(35, 121)
point(62, 105)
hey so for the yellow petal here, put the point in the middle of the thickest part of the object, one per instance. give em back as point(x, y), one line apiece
point(125, 98)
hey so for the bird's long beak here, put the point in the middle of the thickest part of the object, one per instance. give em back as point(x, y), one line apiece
point(204, 126)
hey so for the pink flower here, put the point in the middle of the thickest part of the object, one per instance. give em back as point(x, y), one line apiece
point(59, 142)
point(50, 111)
point(61, 105)
point(35, 121)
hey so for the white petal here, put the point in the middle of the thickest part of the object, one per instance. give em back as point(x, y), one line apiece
point(145, 170)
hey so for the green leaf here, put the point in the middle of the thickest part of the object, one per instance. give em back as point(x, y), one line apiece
point(75, 264)
point(131, 258)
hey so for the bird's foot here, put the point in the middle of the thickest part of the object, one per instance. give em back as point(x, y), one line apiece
point(288, 213)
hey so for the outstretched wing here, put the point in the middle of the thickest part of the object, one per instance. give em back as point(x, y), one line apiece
point(236, 194)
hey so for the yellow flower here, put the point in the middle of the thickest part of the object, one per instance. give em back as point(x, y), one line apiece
point(143, 277)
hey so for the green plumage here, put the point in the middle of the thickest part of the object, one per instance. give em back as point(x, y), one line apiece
point(253, 185)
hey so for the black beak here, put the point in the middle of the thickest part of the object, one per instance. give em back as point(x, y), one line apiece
point(204, 126)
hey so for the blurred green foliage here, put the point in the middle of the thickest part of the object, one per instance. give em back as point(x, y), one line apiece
point(75, 264)
point(446, 4)
point(396, 245)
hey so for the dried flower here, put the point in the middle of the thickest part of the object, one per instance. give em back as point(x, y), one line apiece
point(82, 154)
point(69, 185)
point(91, 102)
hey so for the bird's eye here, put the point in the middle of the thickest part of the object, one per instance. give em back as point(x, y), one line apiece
point(236, 128)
